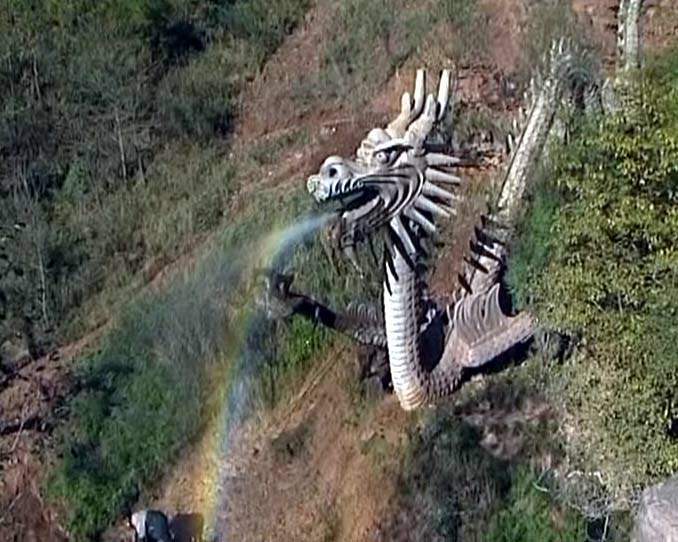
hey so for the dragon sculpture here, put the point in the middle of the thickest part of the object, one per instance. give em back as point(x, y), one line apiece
point(400, 185)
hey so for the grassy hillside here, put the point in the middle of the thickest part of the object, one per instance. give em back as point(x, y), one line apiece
point(116, 158)
point(112, 126)
point(166, 367)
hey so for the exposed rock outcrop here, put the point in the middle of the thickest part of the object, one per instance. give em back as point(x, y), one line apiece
point(657, 519)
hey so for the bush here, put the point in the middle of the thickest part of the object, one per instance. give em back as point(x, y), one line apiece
point(599, 261)
point(264, 23)
point(529, 516)
point(452, 489)
point(198, 100)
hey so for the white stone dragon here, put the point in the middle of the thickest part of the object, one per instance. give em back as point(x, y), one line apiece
point(398, 183)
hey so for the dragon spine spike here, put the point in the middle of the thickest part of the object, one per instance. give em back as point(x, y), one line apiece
point(533, 90)
point(414, 215)
point(419, 93)
point(442, 177)
point(522, 115)
point(510, 144)
point(431, 190)
point(404, 235)
point(425, 204)
point(443, 93)
point(441, 160)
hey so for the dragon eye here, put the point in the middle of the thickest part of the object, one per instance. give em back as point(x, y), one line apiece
point(333, 172)
point(382, 157)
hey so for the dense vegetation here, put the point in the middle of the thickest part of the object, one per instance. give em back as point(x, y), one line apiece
point(113, 143)
point(453, 486)
point(598, 262)
point(111, 126)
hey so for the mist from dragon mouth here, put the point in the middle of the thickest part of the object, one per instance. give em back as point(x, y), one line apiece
point(249, 353)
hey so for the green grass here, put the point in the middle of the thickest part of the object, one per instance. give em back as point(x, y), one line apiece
point(371, 39)
point(366, 43)
point(530, 516)
point(597, 260)
point(530, 253)
point(468, 41)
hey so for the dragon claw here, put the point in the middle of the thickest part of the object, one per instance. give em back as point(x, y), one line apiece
point(275, 299)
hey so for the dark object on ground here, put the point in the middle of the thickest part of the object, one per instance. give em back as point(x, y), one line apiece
point(150, 526)
point(187, 527)
point(657, 519)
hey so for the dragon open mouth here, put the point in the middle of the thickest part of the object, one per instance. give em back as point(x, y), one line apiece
point(356, 199)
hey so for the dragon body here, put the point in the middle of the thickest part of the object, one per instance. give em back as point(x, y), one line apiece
point(397, 183)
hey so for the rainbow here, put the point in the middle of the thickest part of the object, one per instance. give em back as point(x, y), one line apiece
point(215, 456)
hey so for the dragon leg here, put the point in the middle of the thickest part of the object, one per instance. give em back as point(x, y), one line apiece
point(358, 322)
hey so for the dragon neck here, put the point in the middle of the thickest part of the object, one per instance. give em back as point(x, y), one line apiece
point(403, 313)
point(417, 380)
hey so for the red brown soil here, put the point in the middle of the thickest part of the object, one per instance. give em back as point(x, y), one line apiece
point(32, 400)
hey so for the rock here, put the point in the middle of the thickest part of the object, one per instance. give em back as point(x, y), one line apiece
point(657, 519)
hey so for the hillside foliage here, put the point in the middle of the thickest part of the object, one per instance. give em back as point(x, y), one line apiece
point(112, 123)
point(115, 117)
point(167, 367)
point(598, 261)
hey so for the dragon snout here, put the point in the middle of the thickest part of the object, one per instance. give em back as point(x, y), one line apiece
point(319, 190)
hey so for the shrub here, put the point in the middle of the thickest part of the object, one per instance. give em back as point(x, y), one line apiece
point(601, 264)
point(264, 23)
point(198, 100)
point(451, 488)
point(529, 516)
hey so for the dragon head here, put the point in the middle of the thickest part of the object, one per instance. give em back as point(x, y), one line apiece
point(392, 181)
